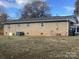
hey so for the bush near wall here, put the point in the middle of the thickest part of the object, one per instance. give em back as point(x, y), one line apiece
point(1, 29)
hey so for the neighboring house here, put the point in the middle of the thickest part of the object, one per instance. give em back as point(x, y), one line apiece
point(76, 26)
point(53, 26)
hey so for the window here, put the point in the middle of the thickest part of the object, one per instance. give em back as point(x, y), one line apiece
point(6, 33)
point(27, 33)
point(42, 24)
point(13, 34)
point(41, 33)
point(77, 29)
point(57, 28)
point(58, 34)
point(20, 33)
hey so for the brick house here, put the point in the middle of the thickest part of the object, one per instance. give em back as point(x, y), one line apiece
point(53, 26)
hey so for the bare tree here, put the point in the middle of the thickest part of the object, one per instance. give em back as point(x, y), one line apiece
point(37, 9)
point(3, 15)
point(76, 12)
point(3, 18)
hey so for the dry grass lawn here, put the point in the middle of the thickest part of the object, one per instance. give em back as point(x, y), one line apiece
point(39, 47)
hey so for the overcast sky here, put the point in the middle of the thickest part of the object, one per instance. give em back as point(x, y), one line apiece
point(57, 7)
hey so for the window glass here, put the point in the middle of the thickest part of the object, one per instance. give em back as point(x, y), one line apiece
point(77, 29)
point(27, 32)
point(41, 33)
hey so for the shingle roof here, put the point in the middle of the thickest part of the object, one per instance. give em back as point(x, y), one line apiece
point(51, 19)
